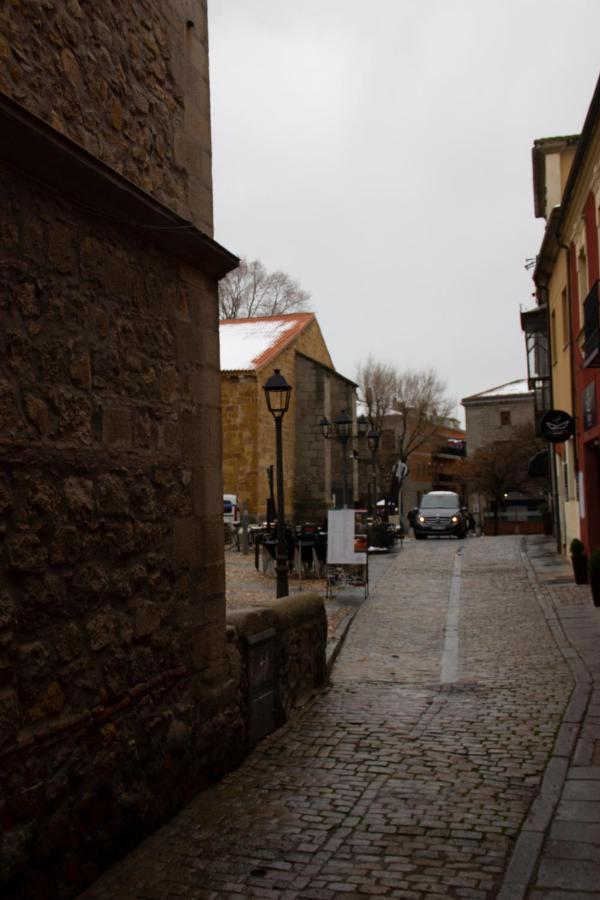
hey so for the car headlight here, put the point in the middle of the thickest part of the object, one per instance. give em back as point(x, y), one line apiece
point(455, 519)
point(421, 518)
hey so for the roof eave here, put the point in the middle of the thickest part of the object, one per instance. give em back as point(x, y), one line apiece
point(583, 144)
point(40, 152)
point(548, 249)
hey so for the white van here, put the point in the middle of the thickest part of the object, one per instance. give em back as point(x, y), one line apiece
point(231, 509)
point(440, 512)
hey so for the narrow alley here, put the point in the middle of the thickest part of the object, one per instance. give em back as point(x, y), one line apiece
point(413, 774)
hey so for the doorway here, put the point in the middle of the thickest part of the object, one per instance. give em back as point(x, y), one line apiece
point(592, 492)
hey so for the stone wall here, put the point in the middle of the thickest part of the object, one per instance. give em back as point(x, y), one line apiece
point(128, 83)
point(309, 343)
point(483, 420)
point(312, 466)
point(281, 650)
point(240, 396)
point(117, 695)
point(321, 392)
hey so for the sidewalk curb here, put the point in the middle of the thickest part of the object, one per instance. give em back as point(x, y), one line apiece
point(527, 851)
point(336, 641)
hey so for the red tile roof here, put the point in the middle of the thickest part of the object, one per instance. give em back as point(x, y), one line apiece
point(252, 343)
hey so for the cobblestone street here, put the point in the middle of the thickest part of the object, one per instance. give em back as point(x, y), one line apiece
point(412, 774)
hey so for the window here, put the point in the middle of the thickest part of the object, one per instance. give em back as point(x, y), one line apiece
point(505, 417)
point(565, 318)
point(553, 337)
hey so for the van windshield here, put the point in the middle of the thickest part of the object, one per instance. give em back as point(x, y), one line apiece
point(440, 501)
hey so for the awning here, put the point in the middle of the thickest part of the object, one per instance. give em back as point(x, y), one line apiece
point(538, 465)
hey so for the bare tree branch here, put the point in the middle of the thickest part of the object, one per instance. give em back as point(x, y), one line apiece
point(376, 390)
point(251, 291)
point(421, 399)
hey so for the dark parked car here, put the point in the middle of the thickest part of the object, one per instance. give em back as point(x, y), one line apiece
point(440, 512)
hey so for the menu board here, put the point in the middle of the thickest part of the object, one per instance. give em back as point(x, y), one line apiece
point(346, 538)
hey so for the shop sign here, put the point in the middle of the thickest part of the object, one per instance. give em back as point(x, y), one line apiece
point(557, 426)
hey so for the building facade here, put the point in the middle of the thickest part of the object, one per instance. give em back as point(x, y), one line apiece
point(434, 465)
point(313, 478)
point(115, 686)
point(493, 417)
point(566, 275)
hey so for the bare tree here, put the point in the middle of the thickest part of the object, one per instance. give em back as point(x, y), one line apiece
point(418, 397)
point(499, 468)
point(421, 401)
point(251, 291)
point(377, 390)
point(421, 406)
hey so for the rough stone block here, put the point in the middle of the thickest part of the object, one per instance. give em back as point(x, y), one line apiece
point(9, 716)
point(26, 553)
point(187, 548)
point(61, 246)
point(147, 618)
point(116, 426)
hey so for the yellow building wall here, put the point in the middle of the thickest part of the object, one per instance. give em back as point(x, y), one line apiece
point(240, 435)
point(561, 353)
point(309, 342)
point(562, 390)
point(249, 427)
point(566, 160)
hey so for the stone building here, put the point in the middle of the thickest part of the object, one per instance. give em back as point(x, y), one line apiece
point(116, 690)
point(498, 414)
point(250, 350)
point(493, 416)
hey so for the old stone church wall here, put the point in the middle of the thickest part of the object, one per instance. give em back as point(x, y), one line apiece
point(118, 692)
point(126, 81)
point(113, 669)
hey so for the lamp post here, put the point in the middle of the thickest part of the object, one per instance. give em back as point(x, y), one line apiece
point(373, 437)
point(341, 431)
point(277, 393)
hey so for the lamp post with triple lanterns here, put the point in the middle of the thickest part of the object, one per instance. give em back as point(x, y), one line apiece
point(373, 438)
point(340, 430)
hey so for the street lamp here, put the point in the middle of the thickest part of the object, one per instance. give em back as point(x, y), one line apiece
point(340, 430)
point(277, 393)
point(373, 437)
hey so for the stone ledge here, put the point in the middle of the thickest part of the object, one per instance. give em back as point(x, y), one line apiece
point(282, 654)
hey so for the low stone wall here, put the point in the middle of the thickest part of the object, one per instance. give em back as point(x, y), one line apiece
point(281, 651)
point(275, 659)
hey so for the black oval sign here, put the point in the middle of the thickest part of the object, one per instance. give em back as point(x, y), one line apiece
point(557, 426)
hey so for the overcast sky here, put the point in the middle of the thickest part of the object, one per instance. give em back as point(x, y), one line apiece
point(380, 153)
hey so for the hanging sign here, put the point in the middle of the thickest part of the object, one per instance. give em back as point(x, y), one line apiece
point(557, 426)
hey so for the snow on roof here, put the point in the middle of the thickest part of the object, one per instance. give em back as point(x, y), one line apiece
point(249, 343)
point(510, 389)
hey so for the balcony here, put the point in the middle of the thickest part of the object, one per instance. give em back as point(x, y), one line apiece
point(534, 323)
point(591, 329)
point(451, 449)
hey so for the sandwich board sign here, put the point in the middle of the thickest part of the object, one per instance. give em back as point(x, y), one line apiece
point(347, 558)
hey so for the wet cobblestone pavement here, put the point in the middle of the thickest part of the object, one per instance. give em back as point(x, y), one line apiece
point(411, 775)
